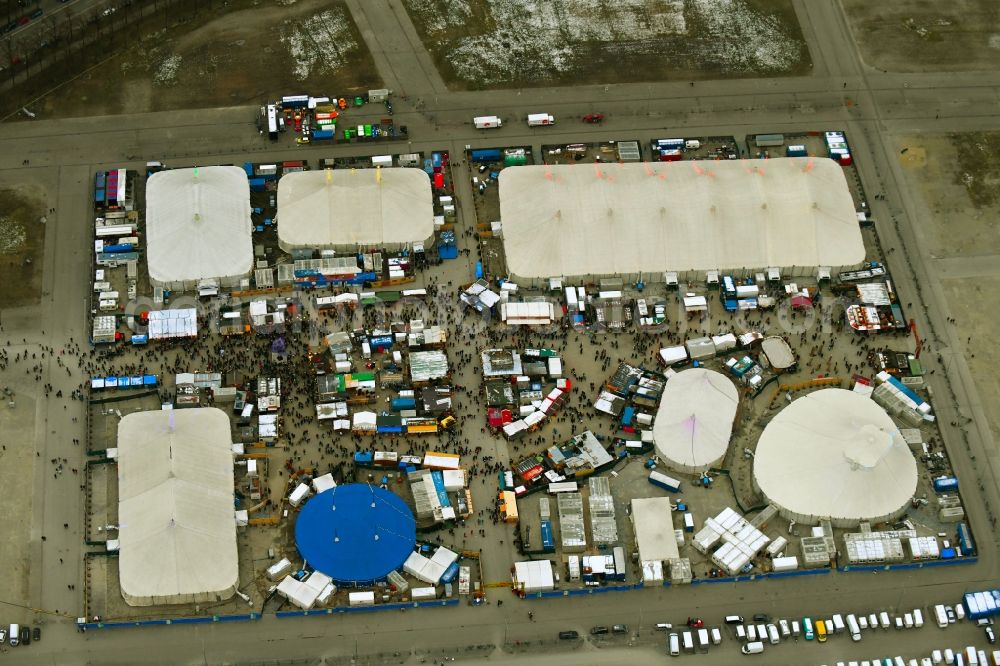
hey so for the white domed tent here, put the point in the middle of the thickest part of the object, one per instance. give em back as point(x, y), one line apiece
point(695, 420)
point(198, 227)
point(835, 454)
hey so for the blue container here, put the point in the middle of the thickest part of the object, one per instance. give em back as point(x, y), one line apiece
point(450, 573)
point(486, 155)
point(363, 458)
point(448, 251)
point(627, 414)
point(479, 270)
point(965, 542)
point(945, 484)
point(139, 339)
point(436, 159)
point(399, 404)
point(117, 249)
point(248, 167)
point(548, 540)
point(258, 184)
point(99, 196)
point(322, 134)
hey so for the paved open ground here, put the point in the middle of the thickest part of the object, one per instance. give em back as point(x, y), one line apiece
point(879, 111)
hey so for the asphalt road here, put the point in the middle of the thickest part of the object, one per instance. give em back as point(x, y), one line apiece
point(872, 107)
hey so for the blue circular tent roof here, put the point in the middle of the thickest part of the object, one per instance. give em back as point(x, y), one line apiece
point(355, 533)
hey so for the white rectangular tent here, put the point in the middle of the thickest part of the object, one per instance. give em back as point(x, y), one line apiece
point(175, 507)
point(690, 217)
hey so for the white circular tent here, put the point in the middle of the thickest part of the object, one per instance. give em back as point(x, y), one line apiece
point(695, 420)
point(835, 454)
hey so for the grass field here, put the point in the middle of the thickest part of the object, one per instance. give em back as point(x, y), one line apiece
point(244, 52)
point(22, 236)
point(480, 44)
point(922, 36)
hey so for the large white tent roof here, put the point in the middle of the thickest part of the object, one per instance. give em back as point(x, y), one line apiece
point(835, 454)
point(345, 208)
point(175, 507)
point(606, 219)
point(198, 226)
point(654, 529)
point(695, 419)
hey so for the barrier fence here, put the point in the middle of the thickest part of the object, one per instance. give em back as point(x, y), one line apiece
point(549, 594)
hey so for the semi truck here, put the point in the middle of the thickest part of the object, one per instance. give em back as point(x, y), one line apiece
point(486, 122)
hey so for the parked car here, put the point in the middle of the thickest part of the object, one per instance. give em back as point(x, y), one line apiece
point(620, 629)
point(762, 617)
point(598, 631)
point(36, 634)
point(990, 636)
point(25, 635)
point(695, 622)
point(568, 635)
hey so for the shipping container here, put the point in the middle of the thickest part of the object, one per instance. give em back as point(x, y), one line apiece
point(964, 537)
point(944, 484)
point(663, 481)
point(485, 155)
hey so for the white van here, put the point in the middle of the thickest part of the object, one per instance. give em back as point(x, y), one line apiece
point(783, 625)
point(734, 619)
point(15, 631)
point(971, 656)
point(741, 632)
point(772, 634)
point(883, 620)
point(716, 636)
point(960, 611)
point(675, 645)
point(908, 620)
point(941, 616)
point(688, 641)
point(751, 632)
point(703, 640)
point(918, 618)
point(936, 657)
point(838, 624)
point(753, 648)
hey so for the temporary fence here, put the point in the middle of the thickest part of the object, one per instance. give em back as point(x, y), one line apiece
point(368, 609)
point(867, 568)
point(206, 619)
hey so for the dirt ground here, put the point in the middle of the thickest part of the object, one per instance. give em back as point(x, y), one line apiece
point(922, 36)
point(22, 237)
point(478, 44)
point(17, 427)
point(957, 178)
point(248, 51)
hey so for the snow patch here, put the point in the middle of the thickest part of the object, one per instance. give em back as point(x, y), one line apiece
point(743, 40)
point(320, 43)
point(166, 73)
point(12, 236)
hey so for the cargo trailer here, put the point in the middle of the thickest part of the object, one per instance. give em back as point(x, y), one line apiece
point(486, 122)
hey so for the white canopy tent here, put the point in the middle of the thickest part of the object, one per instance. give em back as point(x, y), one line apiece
point(175, 507)
point(347, 208)
point(695, 419)
point(589, 220)
point(835, 454)
point(198, 227)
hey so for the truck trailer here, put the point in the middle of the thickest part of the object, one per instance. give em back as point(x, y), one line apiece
point(486, 122)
